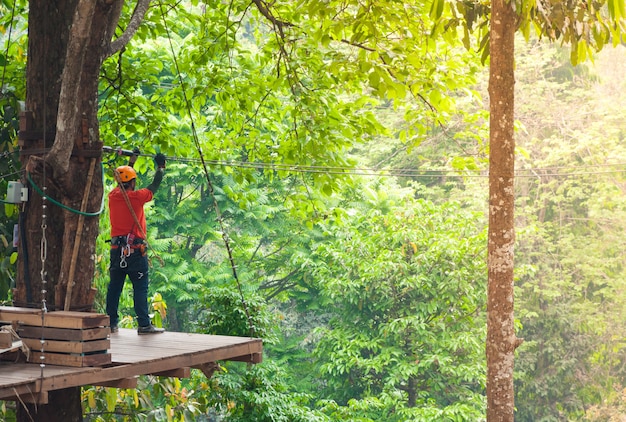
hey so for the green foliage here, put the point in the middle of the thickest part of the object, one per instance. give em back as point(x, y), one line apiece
point(12, 92)
point(260, 395)
point(226, 311)
point(586, 27)
point(396, 288)
point(611, 408)
point(274, 96)
point(13, 39)
point(154, 399)
point(405, 290)
point(569, 246)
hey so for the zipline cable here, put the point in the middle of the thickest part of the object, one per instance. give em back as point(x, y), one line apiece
point(533, 173)
point(218, 214)
point(400, 172)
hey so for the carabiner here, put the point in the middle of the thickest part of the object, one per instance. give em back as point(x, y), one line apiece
point(124, 252)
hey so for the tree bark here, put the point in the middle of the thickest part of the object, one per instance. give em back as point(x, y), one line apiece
point(60, 142)
point(68, 113)
point(68, 408)
point(46, 60)
point(62, 87)
point(501, 339)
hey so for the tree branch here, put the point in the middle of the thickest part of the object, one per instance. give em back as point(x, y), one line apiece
point(265, 11)
point(389, 71)
point(68, 115)
point(133, 26)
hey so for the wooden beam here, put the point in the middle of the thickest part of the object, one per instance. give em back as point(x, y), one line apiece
point(31, 398)
point(208, 368)
point(86, 376)
point(26, 392)
point(39, 398)
point(251, 358)
point(243, 352)
point(120, 383)
point(175, 373)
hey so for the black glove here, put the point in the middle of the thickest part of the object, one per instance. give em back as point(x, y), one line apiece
point(133, 158)
point(159, 159)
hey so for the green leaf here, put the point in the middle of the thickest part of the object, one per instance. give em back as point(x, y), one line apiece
point(111, 399)
point(436, 10)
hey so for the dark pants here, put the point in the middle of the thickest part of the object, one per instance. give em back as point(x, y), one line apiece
point(137, 271)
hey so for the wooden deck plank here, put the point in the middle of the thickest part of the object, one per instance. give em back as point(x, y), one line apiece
point(155, 346)
point(131, 355)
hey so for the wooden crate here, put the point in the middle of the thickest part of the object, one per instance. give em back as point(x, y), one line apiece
point(55, 319)
point(70, 359)
point(74, 347)
point(65, 338)
point(6, 339)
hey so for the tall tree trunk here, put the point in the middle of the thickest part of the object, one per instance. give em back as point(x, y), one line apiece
point(68, 408)
point(46, 60)
point(501, 339)
point(60, 146)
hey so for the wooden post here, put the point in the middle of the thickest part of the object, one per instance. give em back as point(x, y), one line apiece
point(79, 232)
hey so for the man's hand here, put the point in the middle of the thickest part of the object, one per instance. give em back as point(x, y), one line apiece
point(159, 159)
point(133, 158)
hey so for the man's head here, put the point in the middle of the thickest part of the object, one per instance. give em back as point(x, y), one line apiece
point(127, 177)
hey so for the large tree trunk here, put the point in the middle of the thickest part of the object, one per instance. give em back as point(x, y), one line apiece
point(68, 408)
point(501, 339)
point(46, 59)
point(61, 151)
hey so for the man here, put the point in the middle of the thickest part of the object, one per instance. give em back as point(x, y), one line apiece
point(128, 247)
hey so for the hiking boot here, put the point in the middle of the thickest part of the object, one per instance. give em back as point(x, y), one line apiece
point(149, 329)
point(114, 329)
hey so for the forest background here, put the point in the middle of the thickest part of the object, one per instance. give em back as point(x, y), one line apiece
point(363, 268)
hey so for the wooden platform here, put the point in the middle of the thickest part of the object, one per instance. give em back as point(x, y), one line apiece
point(167, 354)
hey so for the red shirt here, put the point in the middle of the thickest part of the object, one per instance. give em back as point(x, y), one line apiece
point(122, 221)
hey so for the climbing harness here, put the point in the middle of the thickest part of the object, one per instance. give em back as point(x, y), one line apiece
point(128, 245)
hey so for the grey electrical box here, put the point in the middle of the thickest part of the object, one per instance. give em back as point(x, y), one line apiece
point(16, 193)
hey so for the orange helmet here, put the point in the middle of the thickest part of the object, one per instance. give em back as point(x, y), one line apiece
point(126, 173)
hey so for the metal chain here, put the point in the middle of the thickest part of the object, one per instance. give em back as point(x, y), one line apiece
point(44, 251)
point(44, 220)
point(44, 282)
